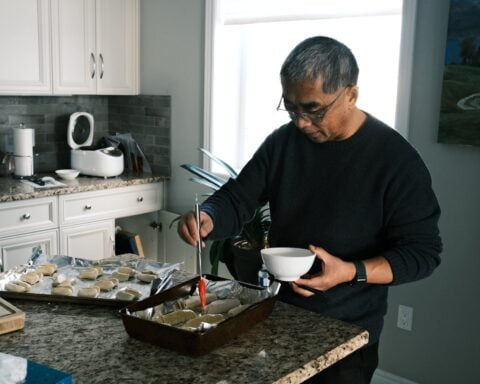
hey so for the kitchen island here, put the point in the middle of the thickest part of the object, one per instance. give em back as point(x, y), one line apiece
point(91, 343)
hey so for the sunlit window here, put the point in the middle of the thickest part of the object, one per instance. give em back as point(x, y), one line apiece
point(247, 42)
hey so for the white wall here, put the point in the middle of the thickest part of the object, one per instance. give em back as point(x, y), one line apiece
point(444, 343)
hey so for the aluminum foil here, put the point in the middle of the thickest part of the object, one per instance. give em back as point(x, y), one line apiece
point(170, 274)
point(224, 289)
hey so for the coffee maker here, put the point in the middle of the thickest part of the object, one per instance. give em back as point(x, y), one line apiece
point(23, 143)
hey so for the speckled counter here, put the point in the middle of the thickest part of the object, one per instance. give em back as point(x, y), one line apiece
point(13, 189)
point(91, 343)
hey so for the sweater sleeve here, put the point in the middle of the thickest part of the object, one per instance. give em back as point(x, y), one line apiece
point(236, 201)
point(411, 215)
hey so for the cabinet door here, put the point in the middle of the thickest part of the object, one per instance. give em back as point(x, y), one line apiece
point(74, 58)
point(117, 46)
point(91, 241)
point(16, 250)
point(172, 249)
point(25, 47)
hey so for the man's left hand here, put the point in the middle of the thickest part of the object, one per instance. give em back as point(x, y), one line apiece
point(334, 271)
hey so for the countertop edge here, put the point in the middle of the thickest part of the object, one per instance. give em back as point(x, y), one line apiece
point(14, 190)
point(315, 366)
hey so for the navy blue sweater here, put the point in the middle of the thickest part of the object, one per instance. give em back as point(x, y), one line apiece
point(366, 196)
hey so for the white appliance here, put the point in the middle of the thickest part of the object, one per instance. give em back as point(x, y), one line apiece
point(90, 160)
point(23, 143)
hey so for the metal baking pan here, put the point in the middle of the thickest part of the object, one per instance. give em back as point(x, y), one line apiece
point(184, 341)
point(71, 266)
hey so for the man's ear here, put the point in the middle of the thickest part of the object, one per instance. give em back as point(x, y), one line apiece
point(352, 95)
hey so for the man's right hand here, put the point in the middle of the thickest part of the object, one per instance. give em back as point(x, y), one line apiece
point(187, 227)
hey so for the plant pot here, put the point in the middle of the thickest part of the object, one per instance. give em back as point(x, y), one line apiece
point(245, 264)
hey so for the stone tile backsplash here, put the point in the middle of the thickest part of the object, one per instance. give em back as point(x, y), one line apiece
point(147, 118)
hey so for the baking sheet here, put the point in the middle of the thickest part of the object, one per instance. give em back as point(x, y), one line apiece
point(71, 267)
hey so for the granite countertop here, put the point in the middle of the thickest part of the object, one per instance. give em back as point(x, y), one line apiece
point(91, 343)
point(13, 189)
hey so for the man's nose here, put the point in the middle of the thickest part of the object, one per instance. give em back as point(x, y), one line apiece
point(302, 122)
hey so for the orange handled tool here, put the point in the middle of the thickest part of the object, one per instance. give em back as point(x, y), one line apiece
point(202, 285)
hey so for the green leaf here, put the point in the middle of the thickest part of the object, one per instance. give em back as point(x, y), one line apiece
point(212, 178)
point(204, 182)
point(222, 163)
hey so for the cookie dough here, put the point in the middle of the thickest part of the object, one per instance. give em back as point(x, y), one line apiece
point(222, 306)
point(32, 277)
point(176, 317)
point(128, 294)
point(210, 319)
point(127, 270)
point(90, 273)
point(66, 290)
point(194, 301)
point(47, 269)
point(18, 286)
point(92, 291)
point(121, 276)
point(147, 276)
point(106, 285)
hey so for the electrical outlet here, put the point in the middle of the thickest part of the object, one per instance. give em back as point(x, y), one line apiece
point(405, 317)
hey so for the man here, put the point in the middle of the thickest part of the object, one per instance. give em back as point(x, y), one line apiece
point(342, 183)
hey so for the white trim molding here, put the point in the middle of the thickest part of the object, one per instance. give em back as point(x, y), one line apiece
point(405, 71)
point(383, 377)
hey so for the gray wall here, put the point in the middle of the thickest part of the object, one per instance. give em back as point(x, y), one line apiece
point(442, 346)
point(171, 46)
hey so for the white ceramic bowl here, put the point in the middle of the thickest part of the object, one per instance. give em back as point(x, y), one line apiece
point(67, 174)
point(287, 264)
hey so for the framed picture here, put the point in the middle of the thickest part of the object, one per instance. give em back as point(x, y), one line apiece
point(460, 104)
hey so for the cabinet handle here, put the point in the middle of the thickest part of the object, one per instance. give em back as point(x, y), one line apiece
point(101, 66)
point(87, 207)
point(93, 65)
point(26, 216)
point(140, 199)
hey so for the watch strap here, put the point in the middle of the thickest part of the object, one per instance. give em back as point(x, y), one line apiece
point(361, 273)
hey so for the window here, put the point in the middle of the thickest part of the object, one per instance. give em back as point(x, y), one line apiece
point(247, 41)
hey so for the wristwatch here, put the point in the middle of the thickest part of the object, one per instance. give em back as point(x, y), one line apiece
point(360, 275)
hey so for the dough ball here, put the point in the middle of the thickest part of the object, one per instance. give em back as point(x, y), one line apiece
point(32, 277)
point(47, 269)
point(176, 317)
point(62, 291)
point(18, 286)
point(121, 276)
point(92, 291)
point(209, 318)
point(127, 270)
point(90, 273)
point(222, 306)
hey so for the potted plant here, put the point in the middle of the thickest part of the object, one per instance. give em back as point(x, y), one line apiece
point(241, 254)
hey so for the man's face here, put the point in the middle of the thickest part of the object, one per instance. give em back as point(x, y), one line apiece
point(320, 116)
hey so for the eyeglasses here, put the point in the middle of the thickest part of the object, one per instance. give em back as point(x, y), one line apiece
point(315, 117)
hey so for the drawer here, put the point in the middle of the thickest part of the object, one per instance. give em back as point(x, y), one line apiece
point(110, 203)
point(28, 215)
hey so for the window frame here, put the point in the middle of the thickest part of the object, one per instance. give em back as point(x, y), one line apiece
point(405, 74)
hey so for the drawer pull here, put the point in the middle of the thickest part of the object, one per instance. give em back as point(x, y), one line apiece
point(140, 199)
point(88, 207)
point(26, 216)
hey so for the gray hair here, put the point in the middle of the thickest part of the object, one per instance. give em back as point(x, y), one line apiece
point(321, 57)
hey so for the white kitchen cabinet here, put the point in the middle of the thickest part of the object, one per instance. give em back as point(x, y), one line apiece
point(93, 241)
point(17, 250)
point(25, 66)
point(95, 46)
